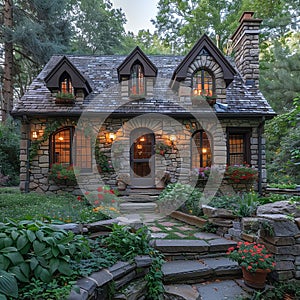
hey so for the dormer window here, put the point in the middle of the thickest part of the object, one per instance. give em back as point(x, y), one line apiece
point(65, 84)
point(203, 83)
point(137, 80)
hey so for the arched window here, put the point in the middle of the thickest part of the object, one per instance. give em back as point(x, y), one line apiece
point(201, 150)
point(203, 83)
point(137, 80)
point(65, 84)
point(64, 151)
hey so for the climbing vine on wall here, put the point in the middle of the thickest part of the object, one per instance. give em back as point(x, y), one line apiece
point(51, 126)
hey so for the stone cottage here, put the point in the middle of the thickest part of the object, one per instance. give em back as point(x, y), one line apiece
point(143, 119)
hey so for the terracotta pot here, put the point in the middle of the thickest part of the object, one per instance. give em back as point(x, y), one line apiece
point(256, 280)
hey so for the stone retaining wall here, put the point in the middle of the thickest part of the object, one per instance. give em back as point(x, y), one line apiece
point(277, 226)
point(97, 286)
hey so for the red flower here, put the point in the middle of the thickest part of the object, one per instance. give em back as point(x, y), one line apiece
point(96, 202)
point(100, 189)
point(79, 198)
point(100, 197)
point(87, 193)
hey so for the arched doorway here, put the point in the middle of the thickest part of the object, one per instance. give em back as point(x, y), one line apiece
point(142, 162)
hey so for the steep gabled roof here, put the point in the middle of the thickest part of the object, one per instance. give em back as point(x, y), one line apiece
point(101, 73)
point(205, 43)
point(137, 54)
point(64, 65)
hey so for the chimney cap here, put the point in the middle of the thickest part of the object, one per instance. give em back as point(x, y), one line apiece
point(247, 15)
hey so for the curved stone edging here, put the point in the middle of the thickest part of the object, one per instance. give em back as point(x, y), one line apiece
point(96, 286)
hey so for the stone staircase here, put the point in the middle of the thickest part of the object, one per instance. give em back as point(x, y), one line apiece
point(196, 261)
point(139, 201)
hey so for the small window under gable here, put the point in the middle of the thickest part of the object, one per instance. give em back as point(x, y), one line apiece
point(203, 83)
point(137, 80)
point(65, 84)
point(204, 47)
point(141, 72)
point(66, 78)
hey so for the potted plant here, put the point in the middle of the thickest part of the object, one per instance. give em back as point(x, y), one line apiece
point(64, 98)
point(255, 261)
point(63, 174)
point(162, 148)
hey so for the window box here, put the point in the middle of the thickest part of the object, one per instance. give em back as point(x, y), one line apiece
point(64, 98)
point(198, 99)
point(137, 96)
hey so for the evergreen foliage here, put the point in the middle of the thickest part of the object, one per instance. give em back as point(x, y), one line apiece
point(9, 152)
point(280, 69)
point(98, 27)
point(283, 146)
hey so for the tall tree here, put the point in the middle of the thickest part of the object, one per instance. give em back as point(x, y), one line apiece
point(98, 27)
point(149, 42)
point(7, 98)
point(39, 29)
point(280, 72)
point(182, 22)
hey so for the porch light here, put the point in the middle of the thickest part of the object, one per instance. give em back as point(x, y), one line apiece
point(139, 146)
point(173, 138)
point(111, 137)
point(142, 139)
point(34, 135)
point(204, 150)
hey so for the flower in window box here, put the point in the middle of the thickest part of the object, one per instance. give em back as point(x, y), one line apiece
point(241, 174)
point(63, 174)
point(65, 98)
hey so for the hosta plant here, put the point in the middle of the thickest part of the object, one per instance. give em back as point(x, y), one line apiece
point(32, 249)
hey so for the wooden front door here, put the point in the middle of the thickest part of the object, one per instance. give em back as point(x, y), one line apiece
point(142, 158)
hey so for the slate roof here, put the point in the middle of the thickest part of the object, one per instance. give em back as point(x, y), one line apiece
point(101, 73)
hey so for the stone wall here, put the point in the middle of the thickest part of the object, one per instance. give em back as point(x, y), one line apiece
point(277, 226)
point(176, 162)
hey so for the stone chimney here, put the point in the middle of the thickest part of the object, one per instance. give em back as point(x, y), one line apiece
point(245, 44)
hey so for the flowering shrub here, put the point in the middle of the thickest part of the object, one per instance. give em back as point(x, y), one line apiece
point(103, 200)
point(62, 174)
point(241, 174)
point(201, 173)
point(251, 256)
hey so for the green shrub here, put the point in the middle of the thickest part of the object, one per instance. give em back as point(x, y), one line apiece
point(243, 205)
point(130, 243)
point(9, 152)
point(182, 196)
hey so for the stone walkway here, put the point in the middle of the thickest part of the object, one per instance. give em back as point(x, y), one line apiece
point(172, 235)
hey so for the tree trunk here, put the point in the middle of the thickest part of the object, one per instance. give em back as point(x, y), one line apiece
point(7, 101)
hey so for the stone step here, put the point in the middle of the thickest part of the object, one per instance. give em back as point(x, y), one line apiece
point(193, 249)
point(139, 198)
point(197, 271)
point(132, 191)
point(138, 207)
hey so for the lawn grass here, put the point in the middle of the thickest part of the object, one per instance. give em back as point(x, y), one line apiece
point(55, 208)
